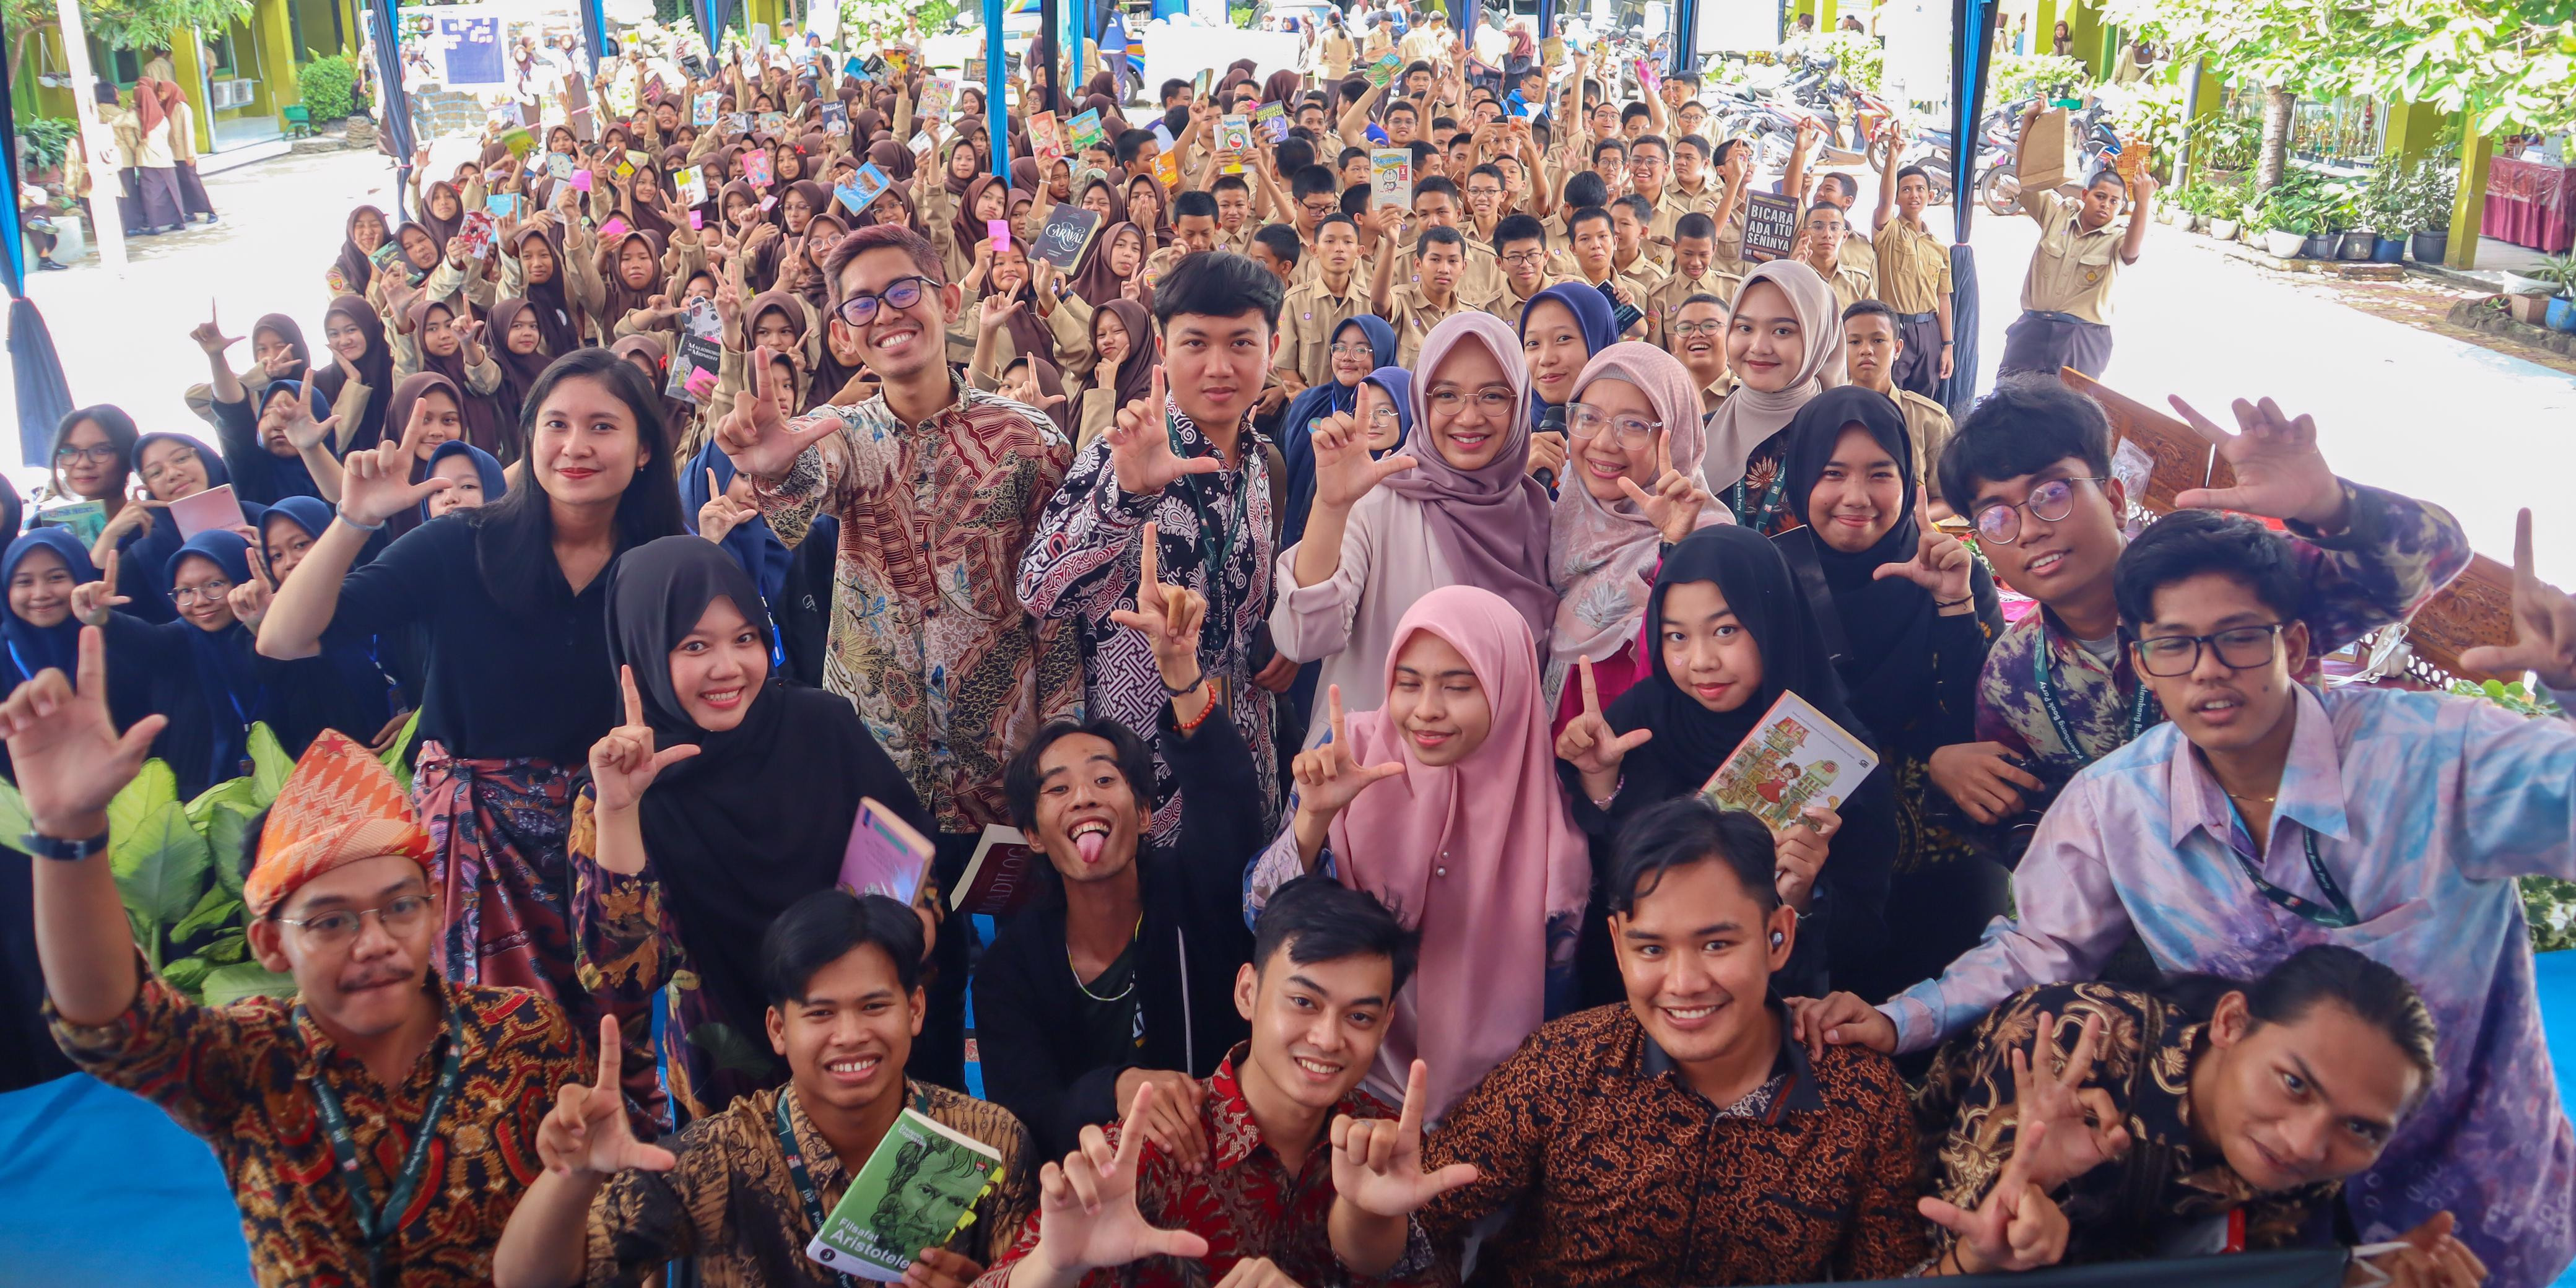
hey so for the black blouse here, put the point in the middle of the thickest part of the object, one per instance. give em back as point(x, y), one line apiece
point(496, 683)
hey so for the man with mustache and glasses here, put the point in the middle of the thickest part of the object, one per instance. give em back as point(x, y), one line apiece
point(2267, 816)
point(375, 1127)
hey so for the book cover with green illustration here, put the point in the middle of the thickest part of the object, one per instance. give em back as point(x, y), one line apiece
point(918, 1188)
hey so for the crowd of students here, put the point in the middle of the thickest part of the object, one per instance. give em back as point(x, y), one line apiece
point(1348, 604)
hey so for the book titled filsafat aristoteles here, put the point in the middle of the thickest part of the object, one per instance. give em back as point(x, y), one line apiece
point(917, 1191)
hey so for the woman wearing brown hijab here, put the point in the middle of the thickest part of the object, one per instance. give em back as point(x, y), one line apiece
point(631, 272)
point(518, 347)
point(441, 342)
point(1117, 369)
point(776, 323)
point(538, 268)
point(183, 152)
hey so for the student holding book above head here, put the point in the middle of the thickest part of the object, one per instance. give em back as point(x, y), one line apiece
point(415, 1093)
point(743, 1193)
point(1120, 975)
point(1327, 963)
point(681, 850)
point(1682, 1136)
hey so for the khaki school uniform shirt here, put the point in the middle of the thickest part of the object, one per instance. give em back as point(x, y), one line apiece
point(1665, 303)
point(1858, 256)
point(1307, 319)
point(2072, 270)
point(1928, 424)
point(1913, 268)
point(1413, 315)
point(1508, 304)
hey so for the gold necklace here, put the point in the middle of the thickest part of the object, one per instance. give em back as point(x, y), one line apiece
point(2243, 796)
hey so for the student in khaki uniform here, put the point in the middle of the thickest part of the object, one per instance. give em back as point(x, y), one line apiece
point(1320, 303)
point(1521, 244)
point(1594, 244)
point(1820, 246)
point(1650, 170)
point(1694, 273)
point(2066, 297)
point(1437, 204)
point(1839, 191)
point(1693, 186)
point(1439, 262)
point(1234, 221)
point(1194, 219)
point(1697, 330)
point(1913, 277)
point(1872, 345)
point(1634, 253)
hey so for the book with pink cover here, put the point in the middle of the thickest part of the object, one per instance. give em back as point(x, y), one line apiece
point(885, 855)
point(213, 510)
point(1794, 758)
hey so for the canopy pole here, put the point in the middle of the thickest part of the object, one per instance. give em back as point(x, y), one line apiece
point(997, 113)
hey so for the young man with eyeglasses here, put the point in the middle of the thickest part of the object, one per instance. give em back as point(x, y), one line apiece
point(926, 638)
point(2267, 816)
point(1694, 272)
point(377, 1126)
point(2031, 468)
point(1520, 242)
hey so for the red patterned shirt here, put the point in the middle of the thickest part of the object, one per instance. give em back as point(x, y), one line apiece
point(235, 1075)
point(1246, 1204)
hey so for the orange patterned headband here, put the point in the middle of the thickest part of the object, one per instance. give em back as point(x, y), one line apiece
point(339, 806)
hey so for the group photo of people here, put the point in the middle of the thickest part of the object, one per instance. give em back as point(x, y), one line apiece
point(1338, 675)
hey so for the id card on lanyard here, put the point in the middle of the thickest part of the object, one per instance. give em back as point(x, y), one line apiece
point(377, 1226)
point(2141, 705)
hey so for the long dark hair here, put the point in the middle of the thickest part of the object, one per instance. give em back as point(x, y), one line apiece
point(2375, 994)
point(514, 539)
point(111, 421)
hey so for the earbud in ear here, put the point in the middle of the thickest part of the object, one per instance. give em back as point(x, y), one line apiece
point(1776, 937)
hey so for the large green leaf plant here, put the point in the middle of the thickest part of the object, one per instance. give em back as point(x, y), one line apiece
point(179, 872)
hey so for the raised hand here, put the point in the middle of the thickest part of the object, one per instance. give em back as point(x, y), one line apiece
point(1589, 744)
point(1140, 449)
point(249, 600)
point(1377, 1164)
point(209, 334)
point(70, 761)
point(1169, 617)
point(376, 483)
point(1547, 452)
point(1675, 505)
point(1329, 777)
point(2428, 1256)
point(2084, 1125)
point(1798, 854)
point(2544, 625)
point(1087, 1217)
point(996, 312)
point(721, 514)
point(1941, 562)
point(1343, 471)
point(92, 601)
point(623, 763)
point(2017, 1228)
point(756, 435)
point(302, 430)
point(2280, 474)
point(280, 364)
point(588, 1131)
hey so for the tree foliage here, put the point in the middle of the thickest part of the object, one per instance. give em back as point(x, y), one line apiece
point(120, 24)
point(2508, 63)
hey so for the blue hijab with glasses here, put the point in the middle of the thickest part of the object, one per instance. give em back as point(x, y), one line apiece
point(144, 557)
point(1296, 448)
point(227, 666)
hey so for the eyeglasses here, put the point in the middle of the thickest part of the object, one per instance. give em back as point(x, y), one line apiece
point(403, 915)
point(1587, 421)
point(2240, 648)
point(210, 592)
point(104, 453)
point(1492, 400)
point(2048, 503)
point(1685, 330)
point(1385, 416)
point(1525, 258)
point(161, 469)
point(901, 294)
point(1360, 350)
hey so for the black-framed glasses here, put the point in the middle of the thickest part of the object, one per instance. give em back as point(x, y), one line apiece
point(103, 454)
point(900, 294)
point(2049, 502)
point(1587, 421)
point(2240, 648)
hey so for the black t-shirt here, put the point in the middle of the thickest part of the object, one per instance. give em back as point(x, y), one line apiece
point(1109, 1015)
point(496, 683)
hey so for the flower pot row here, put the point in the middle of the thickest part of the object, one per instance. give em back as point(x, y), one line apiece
point(2428, 246)
point(2557, 312)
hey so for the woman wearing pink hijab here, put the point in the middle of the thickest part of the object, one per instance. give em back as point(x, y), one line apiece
point(1445, 804)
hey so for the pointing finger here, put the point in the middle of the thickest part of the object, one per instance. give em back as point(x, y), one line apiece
point(608, 1052)
point(1591, 692)
point(1341, 727)
point(634, 700)
point(1149, 572)
point(1408, 1122)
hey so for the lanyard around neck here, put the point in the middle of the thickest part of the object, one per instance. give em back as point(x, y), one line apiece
point(803, 1180)
point(2337, 912)
point(2141, 704)
point(376, 1226)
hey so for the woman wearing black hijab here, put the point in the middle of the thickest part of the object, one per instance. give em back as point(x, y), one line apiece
point(1908, 642)
point(361, 375)
point(704, 831)
point(1726, 616)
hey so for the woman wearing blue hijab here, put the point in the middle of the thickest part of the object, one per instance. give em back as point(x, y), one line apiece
point(795, 585)
point(173, 467)
point(1384, 405)
point(265, 465)
point(1338, 394)
point(40, 570)
point(475, 481)
point(1561, 328)
point(349, 686)
point(200, 670)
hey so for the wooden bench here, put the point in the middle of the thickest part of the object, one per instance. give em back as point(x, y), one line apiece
point(2476, 608)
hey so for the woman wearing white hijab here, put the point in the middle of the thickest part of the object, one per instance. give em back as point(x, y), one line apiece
point(1785, 346)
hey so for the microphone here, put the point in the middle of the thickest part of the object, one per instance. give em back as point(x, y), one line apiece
point(1551, 417)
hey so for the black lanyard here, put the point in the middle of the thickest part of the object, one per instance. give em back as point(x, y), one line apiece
point(1770, 501)
point(2139, 705)
point(1216, 541)
point(804, 1180)
point(2337, 916)
point(376, 1226)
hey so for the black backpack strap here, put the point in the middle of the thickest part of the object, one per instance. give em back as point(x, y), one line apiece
point(1798, 547)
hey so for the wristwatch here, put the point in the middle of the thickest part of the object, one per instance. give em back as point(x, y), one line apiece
point(59, 850)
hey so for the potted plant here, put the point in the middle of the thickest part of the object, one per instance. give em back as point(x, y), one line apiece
point(2224, 219)
point(2431, 194)
point(2384, 213)
point(2559, 308)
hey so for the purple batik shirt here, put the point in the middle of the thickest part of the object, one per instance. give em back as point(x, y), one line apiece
point(2425, 808)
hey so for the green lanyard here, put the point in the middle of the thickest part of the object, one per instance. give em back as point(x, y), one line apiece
point(376, 1226)
point(1770, 501)
point(2139, 706)
point(804, 1181)
point(2339, 912)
